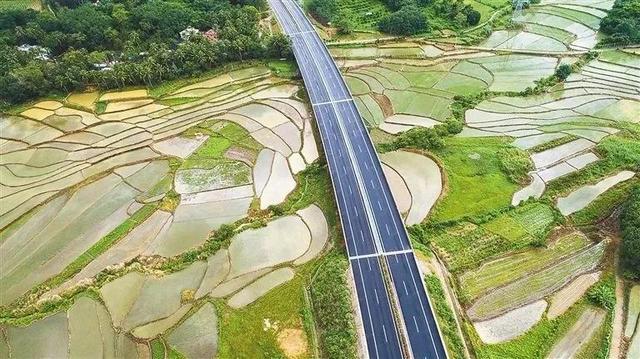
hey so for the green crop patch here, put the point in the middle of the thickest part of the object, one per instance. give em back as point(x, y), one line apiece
point(510, 268)
point(536, 343)
point(476, 183)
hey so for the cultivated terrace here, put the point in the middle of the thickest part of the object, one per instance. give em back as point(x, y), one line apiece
point(164, 191)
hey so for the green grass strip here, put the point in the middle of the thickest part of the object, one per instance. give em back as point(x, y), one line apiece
point(446, 318)
point(102, 245)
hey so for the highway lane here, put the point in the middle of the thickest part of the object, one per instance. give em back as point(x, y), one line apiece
point(380, 330)
point(373, 229)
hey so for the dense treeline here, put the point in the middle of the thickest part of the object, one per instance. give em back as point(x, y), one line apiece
point(622, 23)
point(138, 40)
point(407, 17)
point(630, 225)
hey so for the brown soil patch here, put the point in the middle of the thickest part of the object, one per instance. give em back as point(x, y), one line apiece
point(293, 342)
point(385, 104)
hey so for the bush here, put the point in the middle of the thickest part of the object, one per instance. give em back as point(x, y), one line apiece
point(515, 163)
point(446, 317)
point(323, 10)
point(279, 46)
point(420, 138)
point(344, 25)
point(563, 71)
point(473, 17)
point(603, 294)
point(407, 21)
point(630, 225)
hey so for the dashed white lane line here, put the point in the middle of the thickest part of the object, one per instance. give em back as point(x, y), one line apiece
point(331, 102)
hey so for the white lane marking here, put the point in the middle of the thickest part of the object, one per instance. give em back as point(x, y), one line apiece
point(424, 313)
point(378, 176)
point(379, 205)
point(366, 300)
point(416, 323)
point(325, 55)
point(384, 331)
point(393, 253)
point(369, 263)
point(331, 102)
point(361, 235)
point(355, 210)
point(386, 225)
point(406, 291)
point(300, 32)
point(332, 160)
point(375, 291)
point(359, 148)
point(372, 184)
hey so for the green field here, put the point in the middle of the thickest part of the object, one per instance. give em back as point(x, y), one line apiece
point(502, 271)
point(537, 285)
point(475, 182)
point(20, 4)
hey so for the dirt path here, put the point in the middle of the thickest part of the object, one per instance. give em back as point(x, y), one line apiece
point(579, 334)
point(618, 315)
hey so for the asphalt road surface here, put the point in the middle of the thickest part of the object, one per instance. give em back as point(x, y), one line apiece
point(373, 229)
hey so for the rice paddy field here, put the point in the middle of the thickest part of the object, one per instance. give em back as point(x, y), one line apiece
point(554, 26)
point(145, 209)
point(189, 219)
point(522, 251)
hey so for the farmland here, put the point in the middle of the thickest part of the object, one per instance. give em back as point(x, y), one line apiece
point(169, 200)
point(538, 164)
point(195, 218)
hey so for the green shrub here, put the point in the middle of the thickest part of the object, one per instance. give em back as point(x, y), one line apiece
point(603, 294)
point(420, 138)
point(622, 23)
point(344, 24)
point(515, 163)
point(277, 210)
point(473, 17)
point(563, 71)
point(323, 10)
point(630, 225)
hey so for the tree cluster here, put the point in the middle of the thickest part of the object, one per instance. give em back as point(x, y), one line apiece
point(324, 11)
point(563, 71)
point(630, 225)
point(139, 40)
point(424, 138)
point(409, 20)
point(457, 12)
point(622, 23)
point(408, 17)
